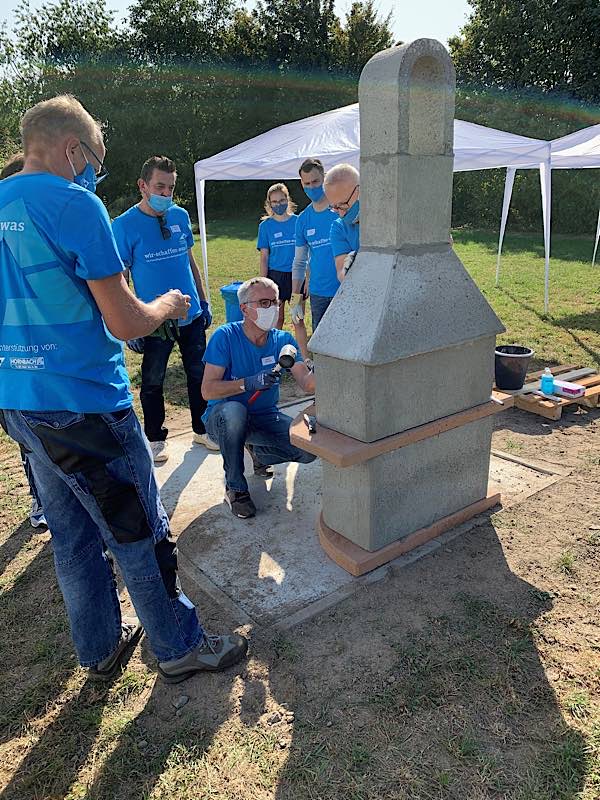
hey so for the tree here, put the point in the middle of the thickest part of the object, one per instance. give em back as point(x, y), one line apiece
point(363, 35)
point(553, 45)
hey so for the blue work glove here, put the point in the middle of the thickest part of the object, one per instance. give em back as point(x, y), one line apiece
point(205, 316)
point(137, 345)
point(261, 382)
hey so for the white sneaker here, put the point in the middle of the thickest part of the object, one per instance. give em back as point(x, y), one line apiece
point(159, 452)
point(204, 438)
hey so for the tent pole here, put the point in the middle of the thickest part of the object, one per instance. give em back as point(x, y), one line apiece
point(200, 186)
point(597, 239)
point(546, 187)
point(508, 187)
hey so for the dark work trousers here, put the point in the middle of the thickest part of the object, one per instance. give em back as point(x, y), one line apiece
point(192, 344)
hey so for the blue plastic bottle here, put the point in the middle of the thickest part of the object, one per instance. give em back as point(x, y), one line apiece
point(547, 382)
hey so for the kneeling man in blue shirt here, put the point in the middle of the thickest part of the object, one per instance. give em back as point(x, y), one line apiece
point(240, 359)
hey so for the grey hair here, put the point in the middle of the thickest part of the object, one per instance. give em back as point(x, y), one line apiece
point(243, 292)
point(341, 172)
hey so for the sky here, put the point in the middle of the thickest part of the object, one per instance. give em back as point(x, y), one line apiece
point(436, 19)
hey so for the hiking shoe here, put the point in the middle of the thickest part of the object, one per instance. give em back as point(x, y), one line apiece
point(240, 504)
point(215, 653)
point(204, 438)
point(159, 452)
point(261, 470)
point(131, 630)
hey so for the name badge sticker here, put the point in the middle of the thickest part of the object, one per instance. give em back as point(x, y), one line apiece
point(268, 360)
point(175, 228)
point(310, 232)
point(278, 235)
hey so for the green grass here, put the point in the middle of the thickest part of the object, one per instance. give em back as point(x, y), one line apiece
point(569, 333)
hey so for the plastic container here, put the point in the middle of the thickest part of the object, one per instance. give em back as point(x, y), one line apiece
point(511, 362)
point(547, 382)
point(233, 312)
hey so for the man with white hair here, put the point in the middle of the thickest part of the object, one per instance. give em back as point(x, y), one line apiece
point(64, 396)
point(242, 390)
point(342, 187)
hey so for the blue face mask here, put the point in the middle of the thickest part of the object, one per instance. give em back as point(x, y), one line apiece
point(160, 203)
point(314, 193)
point(352, 214)
point(280, 208)
point(87, 179)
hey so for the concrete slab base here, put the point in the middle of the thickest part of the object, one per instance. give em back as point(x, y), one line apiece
point(271, 570)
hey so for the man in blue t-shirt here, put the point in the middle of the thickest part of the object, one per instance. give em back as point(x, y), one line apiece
point(155, 242)
point(242, 389)
point(64, 397)
point(342, 187)
point(313, 228)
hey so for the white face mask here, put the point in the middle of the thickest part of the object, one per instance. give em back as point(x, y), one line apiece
point(266, 317)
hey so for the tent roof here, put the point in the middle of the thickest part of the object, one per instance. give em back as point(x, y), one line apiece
point(577, 150)
point(335, 136)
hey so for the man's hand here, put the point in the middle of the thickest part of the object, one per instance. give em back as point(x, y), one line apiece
point(348, 261)
point(205, 316)
point(176, 304)
point(296, 309)
point(137, 345)
point(261, 382)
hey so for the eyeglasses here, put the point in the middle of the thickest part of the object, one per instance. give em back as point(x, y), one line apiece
point(345, 205)
point(164, 228)
point(103, 172)
point(264, 303)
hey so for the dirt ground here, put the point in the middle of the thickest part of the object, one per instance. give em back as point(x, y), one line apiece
point(473, 673)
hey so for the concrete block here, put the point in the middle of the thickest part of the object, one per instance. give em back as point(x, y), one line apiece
point(388, 498)
point(385, 222)
point(372, 402)
point(406, 97)
point(396, 305)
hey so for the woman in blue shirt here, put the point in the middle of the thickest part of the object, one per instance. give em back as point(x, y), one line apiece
point(276, 244)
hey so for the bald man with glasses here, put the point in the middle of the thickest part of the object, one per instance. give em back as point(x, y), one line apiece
point(242, 390)
point(342, 187)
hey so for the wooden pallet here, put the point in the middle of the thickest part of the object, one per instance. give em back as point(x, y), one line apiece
point(550, 409)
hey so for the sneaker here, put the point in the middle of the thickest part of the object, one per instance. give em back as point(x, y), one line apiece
point(204, 438)
point(131, 630)
point(159, 452)
point(215, 653)
point(240, 504)
point(261, 470)
point(37, 519)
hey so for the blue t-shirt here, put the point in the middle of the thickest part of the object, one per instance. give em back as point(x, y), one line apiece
point(229, 347)
point(55, 352)
point(313, 228)
point(344, 238)
point(280, 240)
point(158, 264)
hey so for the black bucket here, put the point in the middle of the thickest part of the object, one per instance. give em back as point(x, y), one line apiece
point(511, 365)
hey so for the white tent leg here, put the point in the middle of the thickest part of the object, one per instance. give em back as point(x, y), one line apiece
point(597, 239)
point(200, 186)
point(546, 187)
point(508, 187)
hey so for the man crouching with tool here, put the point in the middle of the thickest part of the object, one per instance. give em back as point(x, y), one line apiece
point(241, 384)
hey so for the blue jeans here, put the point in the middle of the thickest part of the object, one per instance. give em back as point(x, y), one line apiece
point(232, 426)
point(192, 344)
point(318, 306)
point(95, 478)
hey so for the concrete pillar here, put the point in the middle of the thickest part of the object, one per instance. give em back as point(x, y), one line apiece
point(409, 338)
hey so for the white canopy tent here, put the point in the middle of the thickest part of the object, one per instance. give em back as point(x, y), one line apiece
point(334, 137)
point(579, 150)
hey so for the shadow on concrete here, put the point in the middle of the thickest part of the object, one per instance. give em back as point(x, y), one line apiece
point(181, 476)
